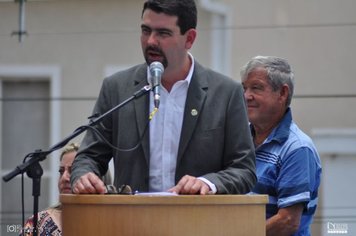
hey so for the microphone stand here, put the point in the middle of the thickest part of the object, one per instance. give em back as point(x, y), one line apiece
point(34, 169)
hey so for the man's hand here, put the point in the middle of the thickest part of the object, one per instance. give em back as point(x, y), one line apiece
point(190, 185)
point(89, 183)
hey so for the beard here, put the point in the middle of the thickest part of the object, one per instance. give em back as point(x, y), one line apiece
point(151, 52)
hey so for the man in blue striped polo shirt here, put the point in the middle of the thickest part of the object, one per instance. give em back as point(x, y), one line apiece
point(287, 164)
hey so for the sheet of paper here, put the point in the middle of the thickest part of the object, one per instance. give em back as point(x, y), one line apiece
point(156, 193)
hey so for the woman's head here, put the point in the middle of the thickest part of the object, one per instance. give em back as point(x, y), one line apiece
point(66, 160)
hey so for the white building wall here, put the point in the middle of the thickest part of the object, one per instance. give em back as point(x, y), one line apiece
point(337, 210)
point(84, 38)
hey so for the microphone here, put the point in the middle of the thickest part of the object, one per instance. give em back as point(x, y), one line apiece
point(156, 70)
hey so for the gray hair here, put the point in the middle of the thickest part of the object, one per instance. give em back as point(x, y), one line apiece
point(279, 72)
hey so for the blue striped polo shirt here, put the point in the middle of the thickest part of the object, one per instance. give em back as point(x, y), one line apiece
point(288, 170)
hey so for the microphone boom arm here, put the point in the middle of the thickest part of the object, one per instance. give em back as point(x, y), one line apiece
point(40, 155)
point(34, 169)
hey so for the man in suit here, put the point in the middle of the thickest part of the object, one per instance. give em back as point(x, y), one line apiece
point(198, 142)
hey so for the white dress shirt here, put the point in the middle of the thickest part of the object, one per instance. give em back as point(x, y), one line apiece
point(165, 131)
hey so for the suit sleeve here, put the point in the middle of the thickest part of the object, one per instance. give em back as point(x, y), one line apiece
point(94, 154)
point(238, 174)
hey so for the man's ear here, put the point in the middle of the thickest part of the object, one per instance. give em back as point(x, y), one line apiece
point(191, 36)
point(284, 93)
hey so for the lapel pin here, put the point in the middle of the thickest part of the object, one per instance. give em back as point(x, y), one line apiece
point(194, 112)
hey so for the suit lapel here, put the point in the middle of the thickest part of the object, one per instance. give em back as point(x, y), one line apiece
point(194, 104)
point(141, 108)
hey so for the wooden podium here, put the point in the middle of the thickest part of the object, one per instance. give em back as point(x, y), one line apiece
point(183, 215)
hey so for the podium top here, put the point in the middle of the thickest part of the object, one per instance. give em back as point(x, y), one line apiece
point(163, 200)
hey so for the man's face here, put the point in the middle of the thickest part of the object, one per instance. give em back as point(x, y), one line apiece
point(264, 105)
point(162, 41)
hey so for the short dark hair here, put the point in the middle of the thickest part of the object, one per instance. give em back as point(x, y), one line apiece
point(185, 10)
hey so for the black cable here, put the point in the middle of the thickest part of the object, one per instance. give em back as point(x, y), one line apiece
point(101, 136)
point(23, 202)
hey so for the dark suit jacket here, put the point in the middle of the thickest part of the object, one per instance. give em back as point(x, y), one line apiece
point(215, 144)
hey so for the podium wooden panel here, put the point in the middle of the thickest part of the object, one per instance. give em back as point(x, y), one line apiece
point(184, 215)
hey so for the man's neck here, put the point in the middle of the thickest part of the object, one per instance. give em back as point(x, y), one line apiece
point(172, 76)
